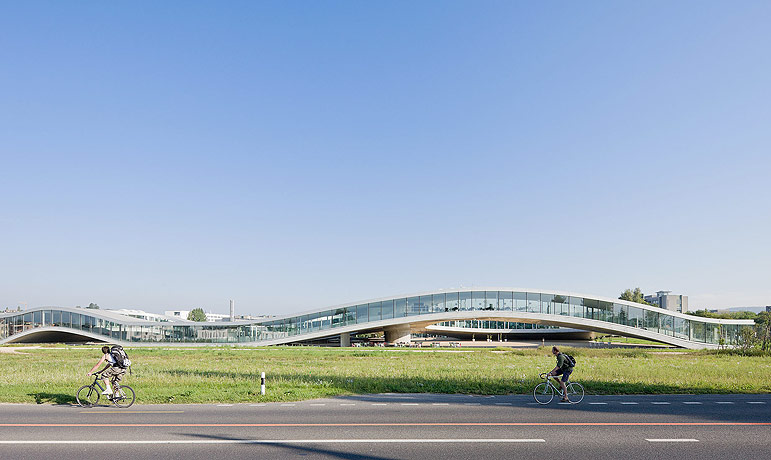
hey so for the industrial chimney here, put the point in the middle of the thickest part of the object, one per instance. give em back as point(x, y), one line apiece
point(232, 311)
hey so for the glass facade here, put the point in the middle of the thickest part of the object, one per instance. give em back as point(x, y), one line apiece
point(659, 321)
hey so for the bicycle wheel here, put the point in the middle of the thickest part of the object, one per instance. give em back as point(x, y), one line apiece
point(87, 396)
point(543, 393)
point(575, 392)
point(124, 396)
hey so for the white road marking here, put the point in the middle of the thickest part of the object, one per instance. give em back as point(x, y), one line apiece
point(755, 402)
point(660, 403)
point(629, 403)
point(318, 404)
point(440, 404)
point(258, 405)
point(723, 402)
point(409, 404)
point(277, 441)
point(347, 404)
point(598, 404)
point(691, 402)
point(288, 405)
point(379, 404)
point(503, 404)
point(224, 405)
point(673, 440)
point(471, 404)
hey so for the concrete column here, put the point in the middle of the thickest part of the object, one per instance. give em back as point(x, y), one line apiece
point(398, 334)
point(345, 339)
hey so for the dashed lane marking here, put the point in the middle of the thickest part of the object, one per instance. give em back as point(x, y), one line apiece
point(503, 404)
point(409, 404)
point(691, 402)
point(258, 405)
point(288, 405)
point(132, 412)
point(440, 404)
point(347, 404)
point(629, 403)
point(598, 404)
point(723, 402)
point(660, 403)
point(755, 402)
point(379, 404)
point(318, 404)
point(673, 440)
point(224, 405)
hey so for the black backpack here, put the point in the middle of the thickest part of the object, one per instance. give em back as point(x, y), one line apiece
point(119, 355)
point(569, 361)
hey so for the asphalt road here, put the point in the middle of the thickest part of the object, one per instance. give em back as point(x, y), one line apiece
point(399, 426)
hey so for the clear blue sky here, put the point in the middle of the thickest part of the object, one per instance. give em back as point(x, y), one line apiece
point(294, 155)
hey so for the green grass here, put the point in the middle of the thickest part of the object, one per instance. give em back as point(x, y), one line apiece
point(208, 375)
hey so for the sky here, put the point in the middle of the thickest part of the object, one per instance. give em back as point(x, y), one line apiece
point(294, 155)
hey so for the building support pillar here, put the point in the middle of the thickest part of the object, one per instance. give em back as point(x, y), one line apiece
point(345, 339)
point(398, 334)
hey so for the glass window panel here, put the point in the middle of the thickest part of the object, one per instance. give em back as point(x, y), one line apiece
point(534, 302)
point(667, 324)
point(635, 317)
point(465, 301)
point(451, 301)
point(387, 309)
point(491, 300)
point(66, 319)
point(437, 304)
point(424, 304)
point(478, 300)
point(546, 303)
point(400, 308)
point(520, 301)
point(362, 313)
point(37, 318)
point(591, 308)
point(506, 300)
point(56, 318)
point(413, 307)
point(576, 306)
point(619, 313)
point(374, 311)
point(561, 306)
point(75, 318)
point(651, 320)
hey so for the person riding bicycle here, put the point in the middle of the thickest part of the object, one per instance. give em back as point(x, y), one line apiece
point(111, 372)
point(563, 368)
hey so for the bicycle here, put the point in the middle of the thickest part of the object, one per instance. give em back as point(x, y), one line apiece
point(88, 395)
point(544, 391)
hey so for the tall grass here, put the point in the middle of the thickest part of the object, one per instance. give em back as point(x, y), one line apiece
point(210, 375)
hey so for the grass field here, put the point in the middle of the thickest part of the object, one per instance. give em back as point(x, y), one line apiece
point(208, 375)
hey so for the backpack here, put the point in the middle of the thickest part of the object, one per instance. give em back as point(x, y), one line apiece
point(119, 355)
point(569, 361)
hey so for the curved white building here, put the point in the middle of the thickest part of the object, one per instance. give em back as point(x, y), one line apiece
point(398, 317)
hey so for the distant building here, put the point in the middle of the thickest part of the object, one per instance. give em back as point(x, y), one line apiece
point(768, 308)
point(143, 315)
point(210, 317)
point(669, 301)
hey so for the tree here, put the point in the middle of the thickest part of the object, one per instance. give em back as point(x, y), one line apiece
point(634, 296)
point(763, 320)
point(93, 306)
point(196, 314)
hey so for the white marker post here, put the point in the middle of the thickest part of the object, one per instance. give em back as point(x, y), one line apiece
point(262, 384)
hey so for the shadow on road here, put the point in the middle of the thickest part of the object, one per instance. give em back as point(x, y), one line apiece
point(294, 447)
point(53, 398)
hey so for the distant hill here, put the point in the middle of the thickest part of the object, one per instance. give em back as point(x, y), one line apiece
point(752, 309)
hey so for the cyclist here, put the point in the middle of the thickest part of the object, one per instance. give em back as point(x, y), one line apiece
point(111, 371)
point(564, 369)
